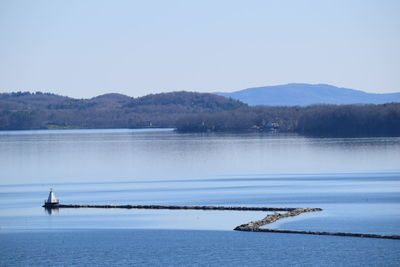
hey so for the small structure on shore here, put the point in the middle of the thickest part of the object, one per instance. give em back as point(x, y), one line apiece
point(51, 200)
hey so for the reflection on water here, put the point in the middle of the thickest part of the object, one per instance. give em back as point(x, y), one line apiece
point(51, 211)
point(130, 155)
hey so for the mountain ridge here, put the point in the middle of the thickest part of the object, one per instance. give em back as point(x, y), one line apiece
point(303, 94)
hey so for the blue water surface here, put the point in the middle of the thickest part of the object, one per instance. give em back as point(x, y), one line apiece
point(198, 248)
point(356, 181)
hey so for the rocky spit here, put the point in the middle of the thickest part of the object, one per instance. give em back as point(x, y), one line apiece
point(328, 233)
point(256, 226)
point(253, 226)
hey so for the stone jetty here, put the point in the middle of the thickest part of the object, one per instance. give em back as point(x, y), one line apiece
point(173, 207)
point(256, 226)
point(326, 233)
point(253, 226)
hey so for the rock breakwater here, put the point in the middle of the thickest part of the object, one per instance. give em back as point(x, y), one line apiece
point(56, 206)
point(256, 226)
point(327, 233)
point(253, 226)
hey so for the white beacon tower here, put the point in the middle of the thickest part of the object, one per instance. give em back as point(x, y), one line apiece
point(51, 200)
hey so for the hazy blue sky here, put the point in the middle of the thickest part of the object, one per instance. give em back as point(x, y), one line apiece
point(86, 48)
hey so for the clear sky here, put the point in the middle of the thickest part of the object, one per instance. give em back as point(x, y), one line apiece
point(86, 48)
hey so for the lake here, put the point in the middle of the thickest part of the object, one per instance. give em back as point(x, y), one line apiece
point(355, 180)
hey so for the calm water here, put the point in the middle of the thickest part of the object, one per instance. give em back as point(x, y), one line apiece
point(355, 181)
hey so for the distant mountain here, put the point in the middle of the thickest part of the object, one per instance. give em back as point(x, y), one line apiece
point(25, 110)
point(301, 94)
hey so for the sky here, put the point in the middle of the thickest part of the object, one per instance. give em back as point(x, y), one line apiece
point(87, 48)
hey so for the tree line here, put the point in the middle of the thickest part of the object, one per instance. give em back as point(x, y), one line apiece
point(194, 112)
point(317, 120)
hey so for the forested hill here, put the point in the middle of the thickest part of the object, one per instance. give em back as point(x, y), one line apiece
point(194, 112)
point(302, 94)
point(24, 110)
